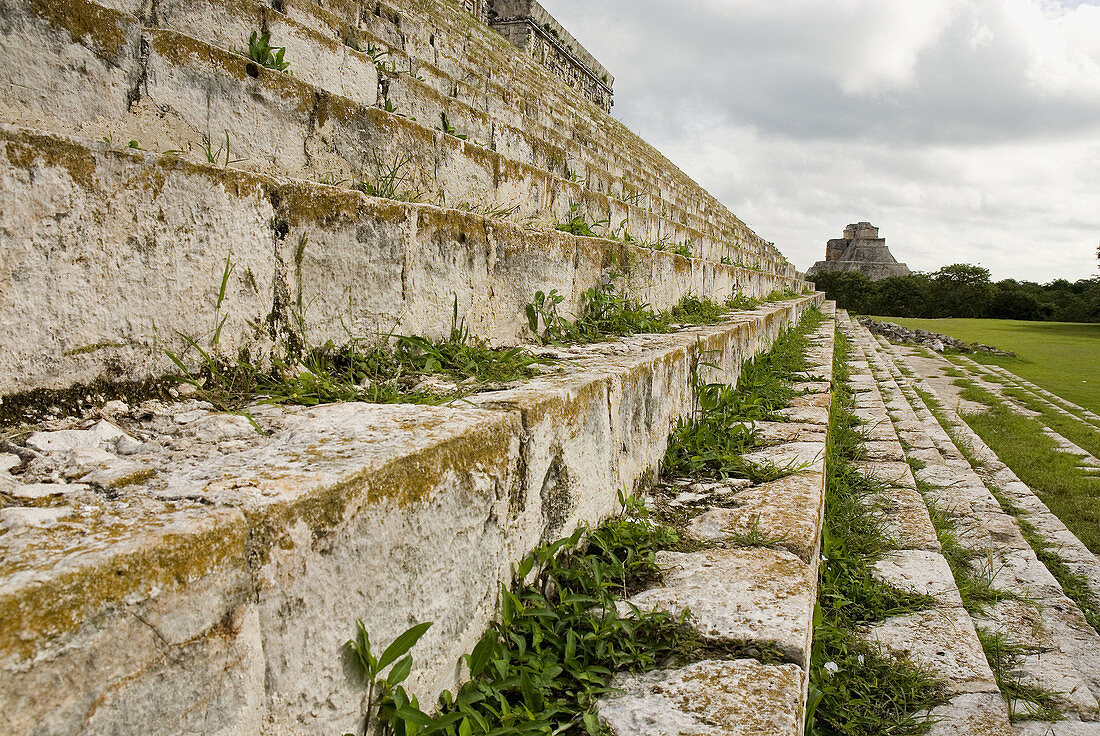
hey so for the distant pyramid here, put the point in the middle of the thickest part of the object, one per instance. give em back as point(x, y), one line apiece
point(861, 249)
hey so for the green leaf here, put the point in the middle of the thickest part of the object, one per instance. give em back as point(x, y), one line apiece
point(402, 644)
point(411, 714)
point(482, 653)
point(592, 724)
point(400, 671)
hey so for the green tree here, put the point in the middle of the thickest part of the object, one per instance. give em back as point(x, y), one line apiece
point(850, 289)
point(962, 290)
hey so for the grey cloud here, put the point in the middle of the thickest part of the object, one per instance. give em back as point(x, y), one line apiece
point(966, 158)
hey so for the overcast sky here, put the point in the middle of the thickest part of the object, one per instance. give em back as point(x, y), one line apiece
point(967, 130)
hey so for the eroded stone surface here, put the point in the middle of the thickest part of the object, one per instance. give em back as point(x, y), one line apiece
point(1060, 728)
point(713, 698)
point(785, 513)
point(920, 571)
point(748, 595)
point(971, 714)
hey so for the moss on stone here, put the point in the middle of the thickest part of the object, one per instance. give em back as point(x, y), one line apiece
point(36, 405)
point(107, 32)
point(409, 479)
point(24, 151)
point(165, 558)
point(185, 51)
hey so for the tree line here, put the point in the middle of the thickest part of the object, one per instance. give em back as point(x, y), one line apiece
point(963, 290)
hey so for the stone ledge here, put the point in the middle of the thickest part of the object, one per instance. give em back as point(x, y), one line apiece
point(741, 595)
point(389, 513)
point(365, 265)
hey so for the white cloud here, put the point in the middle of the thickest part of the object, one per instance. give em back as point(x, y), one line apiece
point(969, 130)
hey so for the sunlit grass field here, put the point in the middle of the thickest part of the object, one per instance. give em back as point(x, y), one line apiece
point(1063, 357)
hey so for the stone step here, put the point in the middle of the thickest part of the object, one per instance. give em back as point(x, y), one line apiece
point(942, 638)
point(82, 224)
point(1063, 406)
point(993, 472)
point(1061, 728)
point(710, 698)
point(1042, 618)
point(979, 378)
point(157, 85)
point(503, 90)
point(757, 595)
point(240, 565)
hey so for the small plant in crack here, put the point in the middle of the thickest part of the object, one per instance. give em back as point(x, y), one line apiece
point(578, 224)
point(391, 370)
point(263, 53)
point(1026, 701)
point(221, 154)
point(755, 537)
point(390, 179)
point(449, 129)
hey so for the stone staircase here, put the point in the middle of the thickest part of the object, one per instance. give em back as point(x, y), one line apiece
point(262, 165)
point(172, 570)
point(963, 479)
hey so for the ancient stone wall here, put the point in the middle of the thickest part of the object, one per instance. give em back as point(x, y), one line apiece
point(528, 26)
point(164, 188)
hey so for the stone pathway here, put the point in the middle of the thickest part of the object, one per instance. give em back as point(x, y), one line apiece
point(999, 381)
point(755, 596)
point(760, 596)
point(1063, 651)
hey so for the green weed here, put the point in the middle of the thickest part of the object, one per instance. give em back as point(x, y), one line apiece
point(559, 639)
point(263, 53)
point(605, 311)
point(1025, 701)
point(216, 156)
point(712, 443)
point(578, 224)
point(449, 129)
point(385, 372)
point(389, 179)
point(857, 689)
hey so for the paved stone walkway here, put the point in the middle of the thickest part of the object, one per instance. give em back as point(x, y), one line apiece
point(1063, 651)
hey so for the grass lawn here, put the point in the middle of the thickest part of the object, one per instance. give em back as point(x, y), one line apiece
point(1062, 357)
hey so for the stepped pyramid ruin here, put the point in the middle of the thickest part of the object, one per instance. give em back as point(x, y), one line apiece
point(861, 249)
point(177, 201)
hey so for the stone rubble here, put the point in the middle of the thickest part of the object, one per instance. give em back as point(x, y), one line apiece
point(931, 340)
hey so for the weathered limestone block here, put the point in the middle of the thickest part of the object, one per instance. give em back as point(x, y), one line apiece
point(713, 698)
point(81, 230)
point(75, 62)
point(922, 572)
point(324, 62)
point(150, 597)
point(249, 559)
point(743, 595)
point(1062, 728)
point(283, 240)
point(972, 714)
point(786, 511)
point(906, 520)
